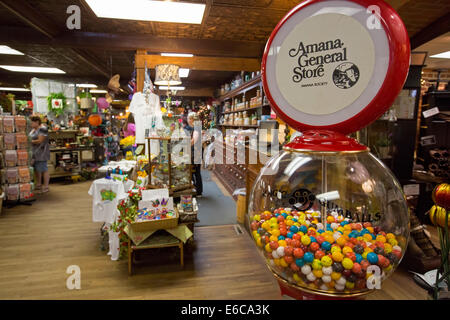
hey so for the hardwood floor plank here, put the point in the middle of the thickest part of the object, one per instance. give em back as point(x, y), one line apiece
point(39, 242)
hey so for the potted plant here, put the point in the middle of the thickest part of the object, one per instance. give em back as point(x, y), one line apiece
point(86, 100)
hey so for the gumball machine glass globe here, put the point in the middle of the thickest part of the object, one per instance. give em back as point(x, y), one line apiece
point(346, 200)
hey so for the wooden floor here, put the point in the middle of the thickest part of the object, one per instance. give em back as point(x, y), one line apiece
point(39, 242)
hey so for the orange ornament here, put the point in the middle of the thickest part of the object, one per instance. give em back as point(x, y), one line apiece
point(95, 120)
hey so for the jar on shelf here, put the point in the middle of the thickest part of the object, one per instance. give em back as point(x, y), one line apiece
point(246, 119)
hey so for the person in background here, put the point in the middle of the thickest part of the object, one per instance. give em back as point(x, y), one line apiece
point(129, 129)
point(195, 136)
point(41, 153)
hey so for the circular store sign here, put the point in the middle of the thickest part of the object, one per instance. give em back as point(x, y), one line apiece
point(336, 65)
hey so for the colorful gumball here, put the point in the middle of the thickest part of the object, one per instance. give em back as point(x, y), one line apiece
point(356, 268)
point(298, 253)
point(314, 246)
point(372, 257)
point(326, 261)
point(305, 240)
point(288, 251)
point(308, 257)
point(288, 259)
point(347, 263)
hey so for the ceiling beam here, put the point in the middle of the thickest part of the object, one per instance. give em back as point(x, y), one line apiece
point(131, 42)
point(397, 4)
point(29, 15)
point(200, 63)
point(205, 92)
point(432, 31)
point(48, 29)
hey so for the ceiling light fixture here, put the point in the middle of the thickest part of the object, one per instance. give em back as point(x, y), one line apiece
point(184, 73)
point(146, 10)
point(443, 55)
point(13, 89)
point(8, 50)
point(86, 85)
point(180, 55)
point(172, 88)
point(98, 91)
point(32, 69)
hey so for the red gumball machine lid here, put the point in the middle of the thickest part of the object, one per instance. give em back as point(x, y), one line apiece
point(325, 141)
point(337, 66)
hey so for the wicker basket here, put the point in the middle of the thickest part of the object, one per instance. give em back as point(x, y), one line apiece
point(151, 225)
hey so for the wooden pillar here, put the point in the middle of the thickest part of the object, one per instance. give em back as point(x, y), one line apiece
point(139, 64)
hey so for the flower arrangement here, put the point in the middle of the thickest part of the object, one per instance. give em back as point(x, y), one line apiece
point(128, 210)
point(128, 141)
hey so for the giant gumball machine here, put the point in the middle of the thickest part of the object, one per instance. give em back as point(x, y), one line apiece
point(330, 219)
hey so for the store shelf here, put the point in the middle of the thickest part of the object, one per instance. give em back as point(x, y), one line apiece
point(64, 131)
point(239, 126)
point(249, 85)
point(248, 109)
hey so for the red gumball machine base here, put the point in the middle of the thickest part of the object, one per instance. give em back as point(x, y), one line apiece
point(298, 294)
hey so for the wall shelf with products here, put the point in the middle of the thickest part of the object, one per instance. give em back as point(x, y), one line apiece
point(244, 106)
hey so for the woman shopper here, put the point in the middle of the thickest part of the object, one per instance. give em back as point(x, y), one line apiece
point(195, 135)
point(129, 129)
point(41, 153)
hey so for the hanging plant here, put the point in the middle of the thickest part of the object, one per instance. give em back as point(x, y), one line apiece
point(57, 103)
point(85, 95)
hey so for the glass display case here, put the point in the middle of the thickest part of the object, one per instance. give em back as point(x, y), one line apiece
point(166, 169)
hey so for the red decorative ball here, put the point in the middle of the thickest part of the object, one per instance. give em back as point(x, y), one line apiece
point(288, 259)
point(294, 267)
point(319, 254)
point(296, 243)
point(351, 256)
point(314, 246)
point(273, 245)
point(298, 253)
point(320, 239)
point(347, 273)
point(296, 236)
point(288, 251)
point(356, 268)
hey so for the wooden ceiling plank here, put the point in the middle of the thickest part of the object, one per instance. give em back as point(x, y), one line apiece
point(205, 92)
point(201, 63)
point(397, 4)
point(432, 31)
point(29, 15)
point(45, 26)
point(209, 4)
point(121, 42)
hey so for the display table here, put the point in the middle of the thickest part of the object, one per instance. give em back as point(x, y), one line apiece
point(155, 242)
point(175, 237)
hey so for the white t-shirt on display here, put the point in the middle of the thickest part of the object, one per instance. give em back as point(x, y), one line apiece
point(106, 195)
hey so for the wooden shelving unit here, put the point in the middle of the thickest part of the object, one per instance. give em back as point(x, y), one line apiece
point(239, 125)
point(249, 85)
point(247, 109)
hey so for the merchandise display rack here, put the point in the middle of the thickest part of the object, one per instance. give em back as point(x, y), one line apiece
point(17, 173)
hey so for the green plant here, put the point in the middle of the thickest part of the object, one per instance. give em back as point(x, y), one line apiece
point(56, 111)
point(5, 102)
point(85, 95)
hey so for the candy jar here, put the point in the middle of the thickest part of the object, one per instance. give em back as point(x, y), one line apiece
point(328, 217)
